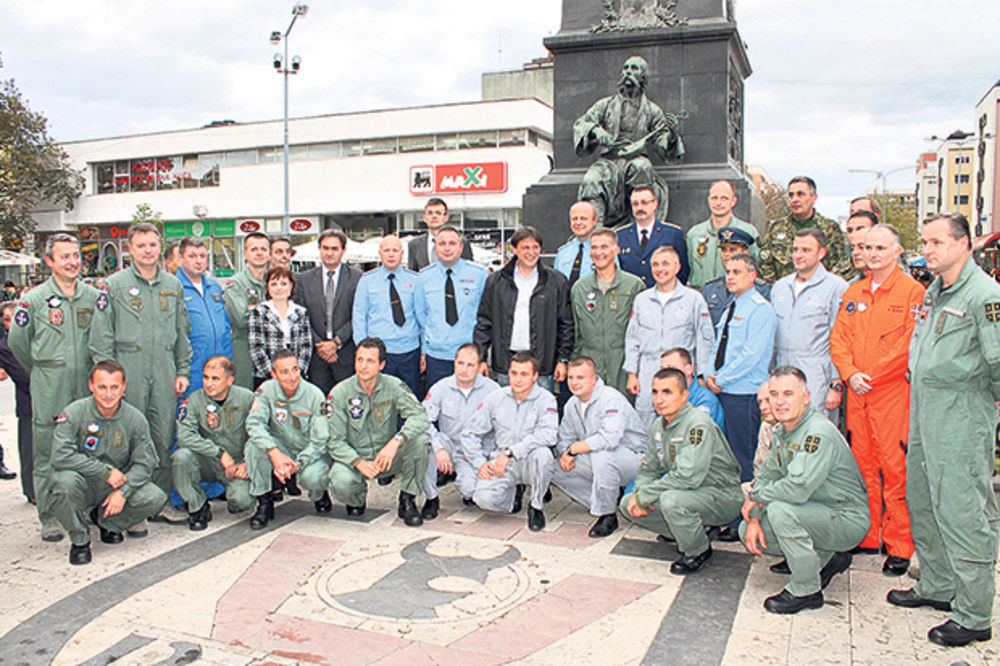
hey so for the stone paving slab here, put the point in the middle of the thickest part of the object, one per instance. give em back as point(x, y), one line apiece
point(467, 588)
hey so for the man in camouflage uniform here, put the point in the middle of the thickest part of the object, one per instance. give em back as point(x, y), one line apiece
point(776, 244)
point(242, 294)
point(50, 340)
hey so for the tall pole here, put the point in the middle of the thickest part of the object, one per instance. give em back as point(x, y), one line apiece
point(284, 225)
point(285, 67)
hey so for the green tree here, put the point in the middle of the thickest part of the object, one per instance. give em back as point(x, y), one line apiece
point(775, 201)
point(34, 169)
point(145, 213)
point(903, 216)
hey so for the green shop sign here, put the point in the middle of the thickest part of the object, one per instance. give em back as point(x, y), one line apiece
point(199, 228)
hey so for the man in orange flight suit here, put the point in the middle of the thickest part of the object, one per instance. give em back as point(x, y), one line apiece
point(870, 346)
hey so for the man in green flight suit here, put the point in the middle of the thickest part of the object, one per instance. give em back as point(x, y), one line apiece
point(808, 502)
point(144, 326)
point(102, 459)
point(241, 295)
point(776, 244)
point(287, 430)
point(602, 305)
point(211, 441)
point(955, 381)
point(689, 478)
point(704, 257)
point(50, 340)
point(365, 440)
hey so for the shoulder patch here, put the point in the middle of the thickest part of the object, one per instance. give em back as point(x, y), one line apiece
point(182, 410)
point(21, 318)
point(62, 418)
point(992, 311)
point(811, 444)
point(695, 435)
point(757, 298)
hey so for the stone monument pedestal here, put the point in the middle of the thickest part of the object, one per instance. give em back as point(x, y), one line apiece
point(697, 66)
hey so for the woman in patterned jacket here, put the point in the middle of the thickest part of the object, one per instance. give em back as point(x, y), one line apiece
point(278, 323)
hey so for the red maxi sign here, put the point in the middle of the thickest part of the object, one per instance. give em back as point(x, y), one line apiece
point(459, 178)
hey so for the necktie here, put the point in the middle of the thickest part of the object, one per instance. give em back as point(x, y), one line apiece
point(328, 293)
point(643, 240)
point(720, 356)
point(397, 305)
point(574, 274)
point(450, 308)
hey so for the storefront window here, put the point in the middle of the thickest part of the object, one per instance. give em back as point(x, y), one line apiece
point(412, 144)
point(168, 173)
point(447, 141)
point(380, 146)
point(190, 176)
point(208, 169)
point(109, 263)
point(514, 137)
point(241, 157)
point(353, 148)
point(325, 151)
point(468, 140)
point(104, 178)
point(224, 256)
point(270, 154)
point(296, 153)
point(122, 177)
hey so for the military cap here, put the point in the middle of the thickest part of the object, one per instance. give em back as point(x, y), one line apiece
point(734, 235)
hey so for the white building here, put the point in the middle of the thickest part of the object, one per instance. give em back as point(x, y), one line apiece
point(927, 186)
point(368, 173)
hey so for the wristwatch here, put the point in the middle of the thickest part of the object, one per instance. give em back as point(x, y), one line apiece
point(509, 453)
point(836, 386)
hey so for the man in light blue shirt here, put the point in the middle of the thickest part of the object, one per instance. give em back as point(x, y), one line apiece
point(447, 303)
point(573, 258)
point(384, 309)
point(744, 343)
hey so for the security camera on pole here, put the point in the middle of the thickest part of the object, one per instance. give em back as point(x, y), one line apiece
point(281, 63)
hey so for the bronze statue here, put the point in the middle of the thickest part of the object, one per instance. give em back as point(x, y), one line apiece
point(625, 128)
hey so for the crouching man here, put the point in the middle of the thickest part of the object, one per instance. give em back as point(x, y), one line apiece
point(366, 441)
point(509, 439)
point(211, 439)
point(808, 502)
point(601, 441)
point(287, 433)
point(103, 459)
point(689, 478)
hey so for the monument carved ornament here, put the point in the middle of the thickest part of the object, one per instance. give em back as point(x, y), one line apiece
point(621, 15)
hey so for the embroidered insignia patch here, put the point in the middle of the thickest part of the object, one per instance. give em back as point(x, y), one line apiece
point(21, 318)
point(992, 312)
point(811, 444)
point(91, 442)
point(695, 435)
point(103, 302)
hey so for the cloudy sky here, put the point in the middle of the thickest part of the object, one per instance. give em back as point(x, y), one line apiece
point(837, 84)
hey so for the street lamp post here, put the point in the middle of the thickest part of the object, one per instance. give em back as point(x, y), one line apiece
point(281, 66)
point(882, 175)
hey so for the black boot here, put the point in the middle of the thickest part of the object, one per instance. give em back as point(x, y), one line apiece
point(5, 473)
point(430, 509)
point(604, 526)
point(324, 504)
point(292, 486)
point(79, 554)
point(408, 510)
point(199, 520)
point(518, 498)
point(386, 480)
point(277, 489)
point(107, 536)
point(264, 512)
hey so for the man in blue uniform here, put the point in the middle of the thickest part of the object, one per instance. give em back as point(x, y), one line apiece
point(384, 309)
point(732, 241)
point(447, 303)
point(210, 333)
point(573, 258)
point(638, 240)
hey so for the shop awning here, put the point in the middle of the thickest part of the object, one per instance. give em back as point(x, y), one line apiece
point(983, 241)
point(10, 258)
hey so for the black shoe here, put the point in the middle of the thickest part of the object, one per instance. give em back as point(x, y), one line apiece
point(785, 603)
point(408, 510)
point(727, 535)
point(386, 480)
point(910, 599)
point(324, 504)
point(277, 489)
point(662, 538)
point(430, 509)
point(80, 554)
point(689, 565)
point(110, 536)
point(200, 519)
point(895, 566)
point(468, 501)
point(264, 512)
point(858, 550)
point(518, 498)
point(839, 563)
point(5, 473)
point(604, 526)
point(292, 486)
point(536, 519)
point(355, 510)
point(781, 568)
point(444, 479)
point(952, 634)
point(548, 496)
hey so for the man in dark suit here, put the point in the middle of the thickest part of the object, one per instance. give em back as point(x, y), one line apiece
point(327, 293)
point(639, 239)
point(9, 367)
point(420, 251)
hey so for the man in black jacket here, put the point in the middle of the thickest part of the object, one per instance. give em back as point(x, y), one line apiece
point(22, 401)
point(525, 307)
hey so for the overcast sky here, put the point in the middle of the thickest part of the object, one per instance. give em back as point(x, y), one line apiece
point(837, 84)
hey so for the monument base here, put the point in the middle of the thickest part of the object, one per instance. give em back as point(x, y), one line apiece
point(546, 203)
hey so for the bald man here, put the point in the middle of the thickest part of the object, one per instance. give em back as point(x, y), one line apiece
point(383, 308)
